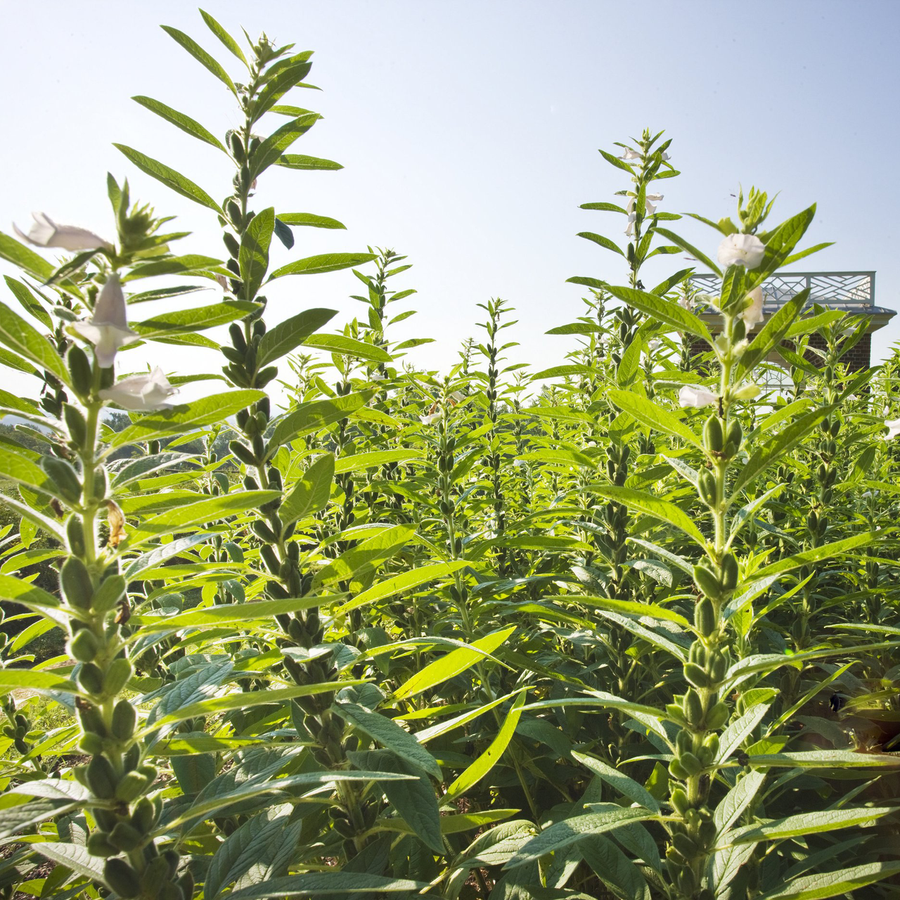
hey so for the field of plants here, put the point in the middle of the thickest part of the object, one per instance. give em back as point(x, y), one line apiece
point(622, 628)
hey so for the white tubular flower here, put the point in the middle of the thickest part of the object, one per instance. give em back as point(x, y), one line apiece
point(430, 419)
point(893, 427)
point(696, 397)
point(630, 154)
point(741, 250)
point(629, 229)
point(141, 392)
point(685, 301)
point(650, 201)
point(46, 233)
point(753, 314)
point(108, 327)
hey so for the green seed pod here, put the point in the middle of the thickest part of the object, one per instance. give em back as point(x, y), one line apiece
point(155, 876)
point(144, 816)
point(130, 787)
point(90, 678)
point(676, 770)
point(98, 845)
point(693, 708)
point(730, 572)
point(707, 581)
point(75, 424)
point(20, 745)
point(119, 673)
point(684, 845)
point(705, 756)
point(675, 859)
point(132, 757)
point(717, 667)
point(121, 878)
point(679, 800)
point(90, 717)
point(80, 371)
point(697, 653)
point(83, 646)
point(711, 742)
point(707, 488)
point(91, 743)
point(169, 891)
point(64, 477)
point(123, 720)
point(125, 838)
point(75, 583)
point(101, 778)
point(267, 552)
point(150, 772)
point(704, 620)
point(686, 882)
point(100, 484)
point(690, 764)
point(697, 676)
point(108, 594)
point(713, 436)
point(717, 716)
point(734, 436)
point(186, 883)
point(684, 742)
point(244, 454)
point(675, 714)
point(75, 536)
point(707, 834)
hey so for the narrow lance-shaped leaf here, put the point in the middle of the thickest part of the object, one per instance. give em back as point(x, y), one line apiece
point(664, 310)
point(180, 120)
point(254, 252)
point(201, 56)
point(290, 334)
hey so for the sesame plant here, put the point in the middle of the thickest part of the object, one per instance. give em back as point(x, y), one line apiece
point(624, 627)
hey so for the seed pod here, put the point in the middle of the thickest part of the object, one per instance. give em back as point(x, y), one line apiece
point(244, 454)
point(123, 720)
point(697, 676)
point(90, 678)
point(693, 708)
point(108, 594)
point(144, 816)
point(130, 787)
point(707, 488)
point(118, 674)
point(100, 483)
point(704, 620)
point(75, 582)
point(101, 778)
point(125, 838)
point(730, 572)
point(75, 536)
point(64, 477)
point(713, 436)
point(705, 756)
point(717, 667)
point(132, 757)
point(679, 800)
point(675, 714)
point(684, 742)
point(121, 878)
point(684, 845)
point(707, 581)
point(98, 845)
point(75, 424)
point(676, 770)
point(734, 435)
point(690, 764)
point(717, 716)
point(83, 646)
point(674, 859)
point(707, 833)
point(264, 533)
point(269, 557)
point(697, 653)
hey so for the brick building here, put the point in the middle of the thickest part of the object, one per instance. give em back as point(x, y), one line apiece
point(850, 292)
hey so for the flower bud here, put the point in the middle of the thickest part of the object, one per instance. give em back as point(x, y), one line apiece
point(746, 392)
point(713, 436)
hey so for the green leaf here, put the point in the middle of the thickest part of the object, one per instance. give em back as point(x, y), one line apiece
point(689, 248)
point(290, 334)
point(664, 310)
point(25, 258)
point(310, 220)
point(627, 607)
point(816, 554)
point(326, 262)
point(361, 559)
point(649, 413)
point(809, 823)
point(618, 163)
point(771, 334)
point(626, 786)
point(601, 818)
point(652, 506)
point(180, 120)
point(620, 874)
point(339, 343)
point(315, 415)
point(74, 857)
point(603, 207)
point(29, 301)
point(15, 815)
point(254, 253)
point(732, 805)
point(824, 759)
point(318, 884)
point(227, 614)
point(25, 340)
point(282, 77)
point(780, 243)
point(371, 460)
point(186, 417)
point(170, 178)
point(832, 884)
point(389, 734)
point(192, 264)
point(39, 682)
point(270, 150)
point(403, 582)
point(487, 760)
point(197, 318)
point(604, 242)
point(230, 43)
point(310, 494)
point(452, 664)
point(301, 161)
point(201, 56)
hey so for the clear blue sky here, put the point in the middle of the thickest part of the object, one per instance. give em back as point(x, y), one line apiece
point(469, 135)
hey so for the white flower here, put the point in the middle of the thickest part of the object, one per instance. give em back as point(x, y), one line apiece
point(46, 233)
point(141, 391)
point(430, 419)
point(630, 154)
point(893, 427)
point(753, 314)
point(741, 250)
point(108, 327)
point(629, 230)
point(685, 301)
point(665, 156)
point(655, 344)
point(696, 397)
point(650, 201)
